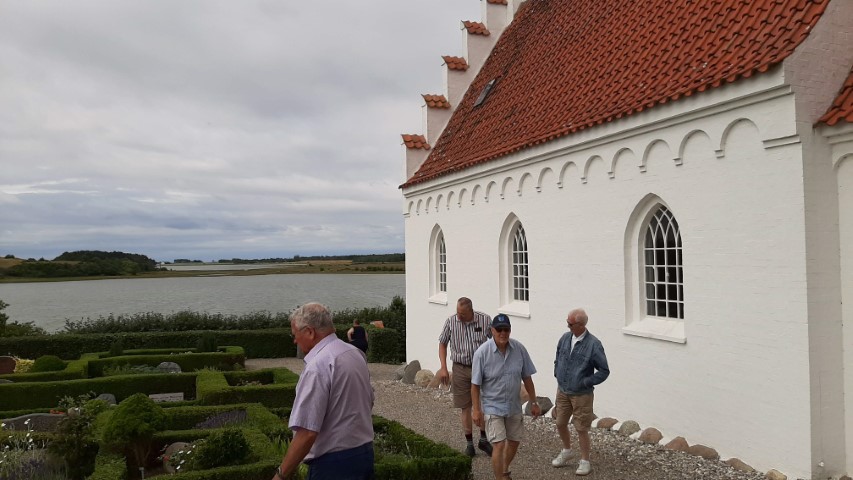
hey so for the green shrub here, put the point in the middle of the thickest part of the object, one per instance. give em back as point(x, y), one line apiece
point(117, 348)
point(403, 453)
point(47, 363)
point(109, 466)
point(385, 346)
point(232, 357)
point(75, 442)
point(207, 342)
point(22, 329)
point(221, 449)
point(74, 369)
point(131, 427)
point(213, 389)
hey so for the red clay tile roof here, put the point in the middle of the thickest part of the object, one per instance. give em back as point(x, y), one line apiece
point(498, 2)
point(436, 101)
point(415, 141)
point(567, 65)
point(455, 63)
point(842, 107)
point(476, 28)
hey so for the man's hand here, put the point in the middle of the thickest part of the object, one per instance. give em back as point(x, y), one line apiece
point(477, 417)
point(536, 410)
point(443, 376)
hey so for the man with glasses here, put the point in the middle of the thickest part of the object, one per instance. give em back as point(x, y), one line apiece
point(331, 417)
point(500, 366)
point(464, 333)
point(580, 365)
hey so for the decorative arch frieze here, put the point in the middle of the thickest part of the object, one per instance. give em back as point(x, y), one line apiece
point(490, 190)
point(624, 154)
point(420, 204)
point(475, 193)
point(525, 179)
point(650, 148)
point(567, 169)
point(427, 205)
point(545, 173)
point(728, 130)
point(589, 164)
point(462, 197)
point(450, 198)
point(505, 186)
point(694, 135)
point(438, 201)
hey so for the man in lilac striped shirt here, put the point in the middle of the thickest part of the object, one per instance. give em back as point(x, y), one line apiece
point(331, 417)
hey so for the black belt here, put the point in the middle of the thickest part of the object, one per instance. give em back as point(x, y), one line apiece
point(462, 364)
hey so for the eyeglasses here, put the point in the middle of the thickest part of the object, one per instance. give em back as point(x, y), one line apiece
point(502, 329)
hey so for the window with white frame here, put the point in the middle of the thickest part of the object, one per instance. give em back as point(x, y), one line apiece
point(442, 265)
point(664, 282)
point(520, 278)
point(437, 267)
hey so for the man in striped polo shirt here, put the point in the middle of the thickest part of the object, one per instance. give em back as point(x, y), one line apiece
point(464, 332)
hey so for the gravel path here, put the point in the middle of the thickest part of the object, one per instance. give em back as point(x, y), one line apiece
point(614, 457)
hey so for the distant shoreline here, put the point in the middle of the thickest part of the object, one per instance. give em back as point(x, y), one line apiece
point(320, 266)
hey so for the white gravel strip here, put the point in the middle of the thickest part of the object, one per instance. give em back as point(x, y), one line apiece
point(430, 413)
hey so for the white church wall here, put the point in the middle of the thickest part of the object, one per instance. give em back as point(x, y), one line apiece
point(737, 382)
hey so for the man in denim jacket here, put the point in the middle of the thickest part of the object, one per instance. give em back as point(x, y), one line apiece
point(580, 365)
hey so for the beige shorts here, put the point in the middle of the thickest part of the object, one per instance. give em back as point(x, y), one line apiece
point(578, 407)
point(500, 428)
point(461, 386)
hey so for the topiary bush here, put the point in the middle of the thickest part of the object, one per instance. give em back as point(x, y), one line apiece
point(47, 363)
point(207, 343)
point(222, 448)
point(131, 427)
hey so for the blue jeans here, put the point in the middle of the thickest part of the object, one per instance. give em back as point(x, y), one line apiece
point(352, 464)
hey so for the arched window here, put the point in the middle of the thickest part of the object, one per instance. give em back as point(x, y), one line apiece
point(437, 267)
point(442, 265)
point(520, 279)
point(514, 264)
point(654, 273)
point(664, 280)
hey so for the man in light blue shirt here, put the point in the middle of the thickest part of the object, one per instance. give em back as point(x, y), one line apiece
point(499, 367)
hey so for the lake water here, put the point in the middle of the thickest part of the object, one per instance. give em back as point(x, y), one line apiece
point(49, 304)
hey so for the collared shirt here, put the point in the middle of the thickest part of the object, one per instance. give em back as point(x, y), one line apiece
point(499, 376)
point(465, 337)
point(576, 339)
point(334, 397)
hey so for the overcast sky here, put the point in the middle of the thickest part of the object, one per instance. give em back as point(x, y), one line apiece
point(213, 129)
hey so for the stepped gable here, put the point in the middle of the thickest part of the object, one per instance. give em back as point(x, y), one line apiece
point(436, 101)
point(415, 141)
point(842, 107)
point(476, 28)
point(455, 63)
point(566, 65)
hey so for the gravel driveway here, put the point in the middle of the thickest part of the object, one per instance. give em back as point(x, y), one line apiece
point(614, 457)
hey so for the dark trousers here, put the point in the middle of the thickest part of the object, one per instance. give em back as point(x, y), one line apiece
point(352, 464)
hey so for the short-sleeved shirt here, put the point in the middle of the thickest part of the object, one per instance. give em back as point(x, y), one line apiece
point(464, 338)
point(334, 397)
point(499, 376)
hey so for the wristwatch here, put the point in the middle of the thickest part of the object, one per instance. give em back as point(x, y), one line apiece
point(278, 472)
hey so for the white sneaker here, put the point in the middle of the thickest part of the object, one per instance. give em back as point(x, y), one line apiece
point(583, 468)
point(562, 459)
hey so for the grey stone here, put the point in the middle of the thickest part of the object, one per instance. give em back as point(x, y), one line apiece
point(629, 427)
point(169, 367)
point(607, 423)
point(38, 422)
point(739, 465)
point(678, 444)
point(651, 435)
point(423, 378)
point(775, 475)
point(411, 370)
point(7, 365)
point(703, 451)
point(5, 380)
point(545, 405)
point(107, 397)
point(170, 452)
point(845, 477)
point(398, 374)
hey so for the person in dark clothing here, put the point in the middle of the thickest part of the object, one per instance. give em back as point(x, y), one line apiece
point(357, 336)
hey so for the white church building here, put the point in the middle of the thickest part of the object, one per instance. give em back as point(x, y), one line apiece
point(683, 170)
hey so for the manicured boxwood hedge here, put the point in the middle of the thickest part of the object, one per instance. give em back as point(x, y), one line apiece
point(273, 343)
point(384, 344)
point(73, 370)
point(416, 456)
point(189, 362)
point(213, 389)
point(15, 396)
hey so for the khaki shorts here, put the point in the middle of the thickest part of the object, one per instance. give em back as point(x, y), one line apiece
point(500, 428)
point(461, 386)
point(579, 407)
